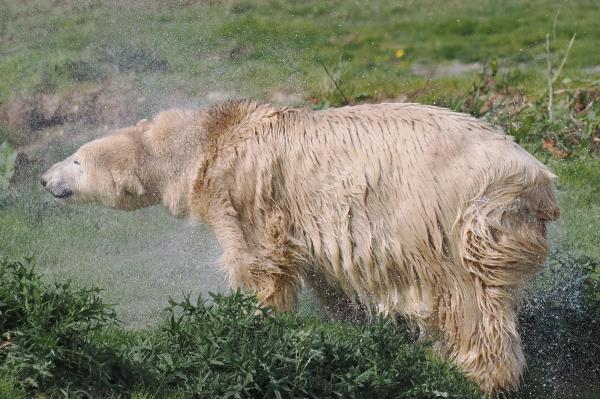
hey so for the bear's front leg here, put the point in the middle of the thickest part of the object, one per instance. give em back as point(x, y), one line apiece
point(273, 286)
point(271, 268)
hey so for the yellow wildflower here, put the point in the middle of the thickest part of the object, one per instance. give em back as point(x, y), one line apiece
point(399, 53)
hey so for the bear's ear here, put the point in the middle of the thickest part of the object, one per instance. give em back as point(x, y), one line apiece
point(127, 183)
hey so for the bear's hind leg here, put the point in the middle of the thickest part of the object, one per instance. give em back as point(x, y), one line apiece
point(503, 242)
point(487, 345)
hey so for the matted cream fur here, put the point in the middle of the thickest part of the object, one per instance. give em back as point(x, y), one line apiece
point(407, 209)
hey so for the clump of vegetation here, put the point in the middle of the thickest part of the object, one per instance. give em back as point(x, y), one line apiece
point(236, 353)
point(58, 339)
point(47, 334)
point(564, 125)
point(81, 71)
point(592, 293)
point(572, 131)
point(131, 57)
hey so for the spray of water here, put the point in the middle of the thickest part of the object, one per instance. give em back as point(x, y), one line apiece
point(560, 328)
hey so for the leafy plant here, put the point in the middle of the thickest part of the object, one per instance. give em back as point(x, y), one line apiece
point(62, 340)
point(229, 347)
point(47, 332)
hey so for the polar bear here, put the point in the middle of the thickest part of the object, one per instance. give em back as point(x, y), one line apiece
point(408, 209)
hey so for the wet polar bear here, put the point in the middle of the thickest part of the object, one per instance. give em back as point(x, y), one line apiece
point(410, 209)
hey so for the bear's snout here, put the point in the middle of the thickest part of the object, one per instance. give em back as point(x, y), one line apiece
point(55, 186)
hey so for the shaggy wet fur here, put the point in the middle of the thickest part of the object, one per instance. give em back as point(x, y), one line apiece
point(406, 209)
point(410, 209)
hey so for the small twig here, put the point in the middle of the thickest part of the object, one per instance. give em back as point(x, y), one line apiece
point(549, 60)
point(586, 87)
point(422, 89)
point(554, 24)
point(517, 110)
point(335, 82)
point(564, 60)
point(576, 121)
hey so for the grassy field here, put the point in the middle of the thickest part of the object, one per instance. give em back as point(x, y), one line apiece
point(251, 47)
point(73, 70)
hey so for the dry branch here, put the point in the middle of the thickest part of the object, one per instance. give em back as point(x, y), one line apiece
point(549, 59)
point(564, 60)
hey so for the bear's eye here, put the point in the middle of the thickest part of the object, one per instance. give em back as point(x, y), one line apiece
point(76, 162)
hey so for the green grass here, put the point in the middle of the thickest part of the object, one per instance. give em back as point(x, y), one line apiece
point(263, 44)
point(580, 209)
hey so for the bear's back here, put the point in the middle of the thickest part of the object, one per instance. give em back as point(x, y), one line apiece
point(400, 150)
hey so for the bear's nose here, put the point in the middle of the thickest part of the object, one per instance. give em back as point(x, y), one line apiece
point(43, 182)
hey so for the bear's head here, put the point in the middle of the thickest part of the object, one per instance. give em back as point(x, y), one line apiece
point(162, 161)
point(108, 171)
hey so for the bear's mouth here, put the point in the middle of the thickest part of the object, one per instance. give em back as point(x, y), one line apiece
point(63, 194)
point(60, 192)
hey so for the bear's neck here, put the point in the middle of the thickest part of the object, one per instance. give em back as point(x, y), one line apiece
point(174, 194)
point(173, 147)
point(171, 185)
point(200, 136)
